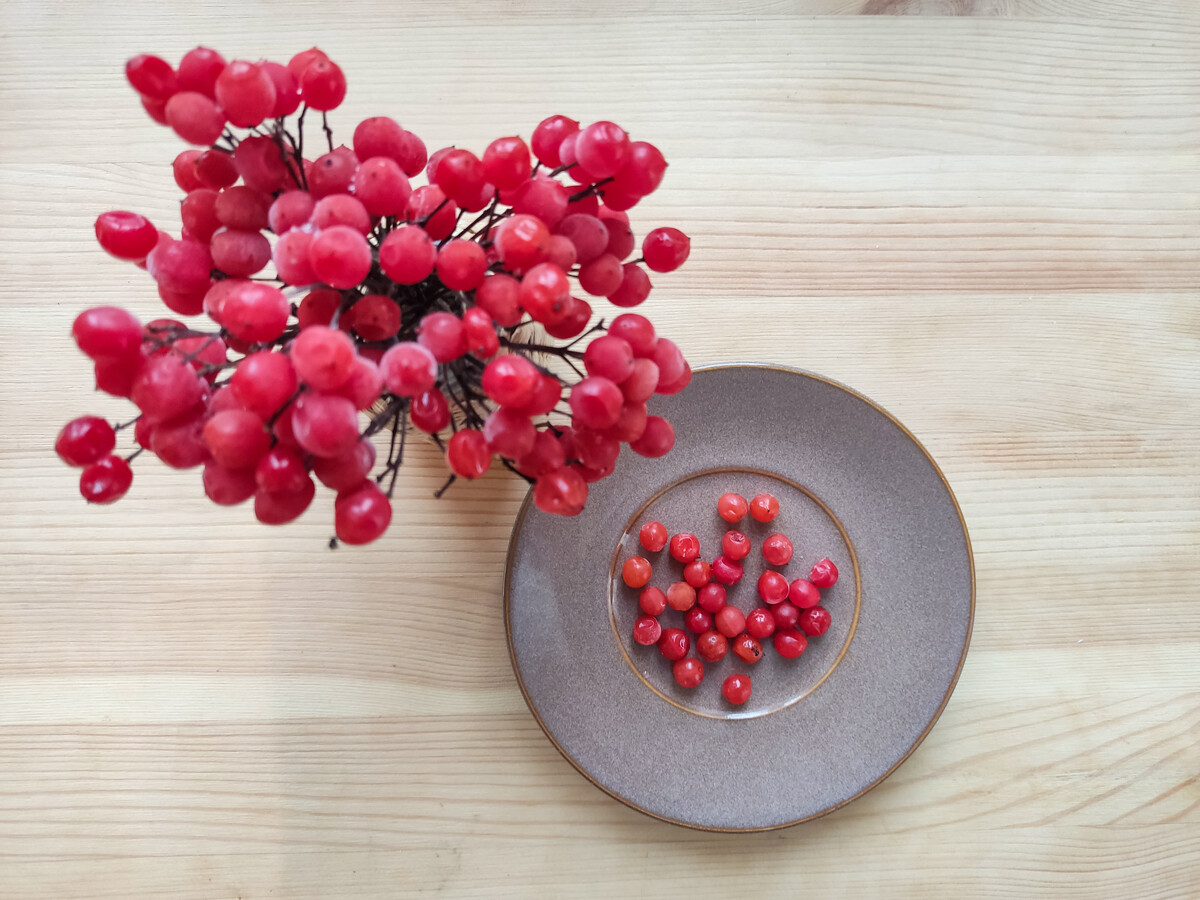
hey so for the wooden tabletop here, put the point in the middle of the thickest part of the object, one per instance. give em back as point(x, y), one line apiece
point(983, 214)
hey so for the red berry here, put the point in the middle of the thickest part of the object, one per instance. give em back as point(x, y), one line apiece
point(126, 235)
point(544, 198)
point(199, 69)
point(562, 492)
point(646, 630)
point(195, 118)
point(182, 266)
point(561, 252)
point(459, 173)
point(245, 93)
point(824, 573)
point(85, 440)
point(674, 387)
point(764, 508)
point(429, 411)
point(428, 208)
point(165, 388)
point(263, 382)
point(688, 672)
point(382, 186)
point(634, 288)
point(609, 357)
point(341, 209)
point(657, 440)
point(287, 89)
point(290, 254)
point(255, 312)
point(636, 571)
point(325, 424)
point(510, 380)
point(697, 620)
point(549, 135)
point(467, 454)
point(281, 469)
point(479, 332)
point(331, 173)
point(378, 136)
point(596, 402)
point(106, 480)
point(685, 547)
point(408, 255)
point(225, 486)
point(696, 573)
point(347, 471)
point(747, 649)
point(340, 256)
point(777, 550)
point(653, 536)
point(652, 601)
point(180, 442)
point(322, 85)
point(587, 233)
point(639, 386)
point(361, 515)
point(730, 621)
point(790, 643)
point(643, 170)
point(374, 317)
point(674, 643)
point(236, 438)
point(546, 456)
point(547, 391)
point(726, 570)
point(736, 689)
point(442, 334)
point(522, 241)
point(545, 293)
point(151, 76)
point(499, 296)
point(786, 615)
point(732, 508)
point(815, 621)
point(772, 587)
point(280, 507)
point(215, 170)
point(735, 545)
point(665, 249)
point(804, 593)
point(712, 646)
point(184, 170)
point(602, 149)
point(408, 369)
point(711, 598)
point(506, 162)
point(578, 314)
point(240, 254)
point(681, 596)
point(760, 623)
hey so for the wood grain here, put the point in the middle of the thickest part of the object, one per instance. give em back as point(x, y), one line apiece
point(985, 215)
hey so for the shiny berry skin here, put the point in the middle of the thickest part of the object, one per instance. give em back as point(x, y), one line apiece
point(764, 508)
point(653, 536)
point(322, 85)
point(522, 241)
point(786, 614)
point(772, 587)
point(195, 118)
point(151, 76)
point(408, 255)
point(804, 593)
point(429, 411)
point(712, 646)
point(635, 287)
point(107, 332)
point(323, 357)
point(602, 149)
point(747, 649)
point(126, 235)
point(382, 187)
point(697, 620)
point(815, 621)
point(652, 601)
point(362, 514)
point(281, 469)
point(347, 471)
point(824, 573)
point(609, 357)
point(736, 688)
point(730, 621)
point(665, 249)
point(685, 547)
point(777, 550)
point(236, 438)
point(681, 596)
point(657, 439)
point(245, 93)
point(467, 454)
point(596, 403)
point(688, 672)
point(790, 643)
point(647, 630)
point(548, 136)
point(711, 598)
point(735, 545)
point(462, 265)
point(732, 507)
point(636, 571)
point(510, 380)
point(443, 335)
point(106, 480)
point(760, 623)
point(674, 643)
point(85, 440)
point(409, 370)
point(696, 573)
point(562, 492)
point(726, 570)
point(506, 162)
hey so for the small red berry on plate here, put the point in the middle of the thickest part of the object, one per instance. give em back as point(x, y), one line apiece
point(685, 547)
point(646, 630)
point(764, 508)
point(804, 593)
point(735, 545)
point(736, 688)
point(711, 598)
point(772, 587)
point(688, 672)
point(777, 550)
point(636, 571)
point(653, 536)
point(726, 571)
point(760, 623)
point(652, 601)
point(824, 573)
point(696, 573)
point(712, 646)
point(815, 621)
point(681, 596)
point(697, 620)
point(787, 615)
point(790, 643)
point(675, 644)
point(730, 621)
point(732, 507)
point(747, 649)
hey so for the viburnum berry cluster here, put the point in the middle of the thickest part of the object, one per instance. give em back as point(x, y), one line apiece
point(792, 612)
point(349, 303)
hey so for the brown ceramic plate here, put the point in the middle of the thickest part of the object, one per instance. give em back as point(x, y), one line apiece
point(818, 731)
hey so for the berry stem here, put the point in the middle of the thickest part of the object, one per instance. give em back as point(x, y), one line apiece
point(328, 130)
point(445, 487)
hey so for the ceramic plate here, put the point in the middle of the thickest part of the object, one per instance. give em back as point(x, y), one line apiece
point(818, 731)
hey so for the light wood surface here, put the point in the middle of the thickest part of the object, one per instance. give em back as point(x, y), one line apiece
point(984, 215)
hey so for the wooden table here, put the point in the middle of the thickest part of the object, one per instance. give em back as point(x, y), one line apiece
point(984, 215)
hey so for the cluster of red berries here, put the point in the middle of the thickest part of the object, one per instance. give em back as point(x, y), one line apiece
point(792, 613)
point(440, 305)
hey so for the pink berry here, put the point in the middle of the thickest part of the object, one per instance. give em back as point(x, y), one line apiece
point(777, 549)
point(736, 689)
point(824, 573)
point(688, 672)
point(647, 630)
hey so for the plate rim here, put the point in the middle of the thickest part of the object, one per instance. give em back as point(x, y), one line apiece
point(512, 656)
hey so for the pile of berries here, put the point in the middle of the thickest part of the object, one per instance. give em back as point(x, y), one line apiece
point(792, 612)
point(349, 301)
